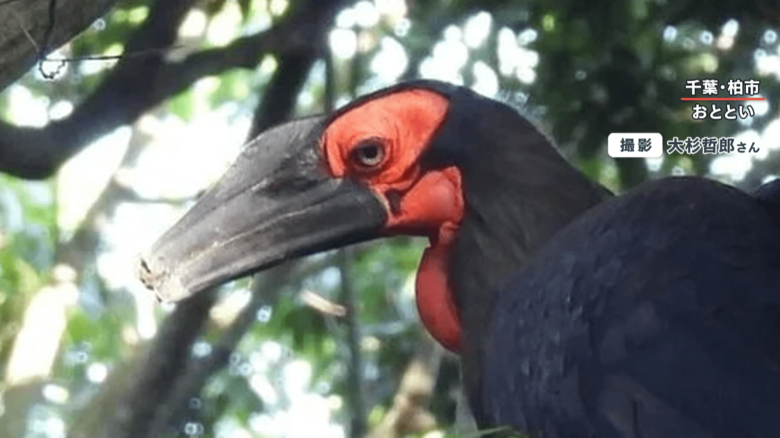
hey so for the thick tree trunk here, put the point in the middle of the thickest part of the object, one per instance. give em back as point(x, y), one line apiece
point(24, 20)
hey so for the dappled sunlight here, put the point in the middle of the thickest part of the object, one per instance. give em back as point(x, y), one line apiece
point(514, 58)
point(391, 61)
point(286, 376)
point(25, 108)
point(767, 64)
point(770, 138)
point(366, 14)
point(43, 325)
point(85, 176)
point(186, 156)
point(225, 26)
point(60, 110)
point(734, 167)
point(343, 42)
point(477, 29)
point(55, 394)
point(284, 386)
point(194, 24)
point(395, 10)
point(486, 80)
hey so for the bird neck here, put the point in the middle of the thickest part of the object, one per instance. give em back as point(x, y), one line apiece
point(517, 197)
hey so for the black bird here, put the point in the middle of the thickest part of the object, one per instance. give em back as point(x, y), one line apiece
point(655, 314)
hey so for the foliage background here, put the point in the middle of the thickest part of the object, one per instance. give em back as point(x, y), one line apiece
point(99, 161)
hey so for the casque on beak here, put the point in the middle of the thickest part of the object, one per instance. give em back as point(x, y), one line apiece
point(276, 202)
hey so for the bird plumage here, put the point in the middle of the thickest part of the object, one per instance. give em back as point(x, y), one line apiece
point(652, 315)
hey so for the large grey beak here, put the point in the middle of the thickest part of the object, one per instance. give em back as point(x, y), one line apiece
point(276, 202)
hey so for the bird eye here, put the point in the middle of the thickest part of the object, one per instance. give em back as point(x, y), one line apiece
point(368, 154)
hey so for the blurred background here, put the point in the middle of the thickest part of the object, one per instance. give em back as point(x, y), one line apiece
point(99, 154)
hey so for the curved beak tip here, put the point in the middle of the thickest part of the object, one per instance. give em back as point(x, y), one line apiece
point(167, 288)
point(277, 201)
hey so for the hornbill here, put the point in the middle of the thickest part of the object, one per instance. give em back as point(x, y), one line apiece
point(576, 313)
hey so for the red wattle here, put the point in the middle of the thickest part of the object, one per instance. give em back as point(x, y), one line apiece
point(434, 301)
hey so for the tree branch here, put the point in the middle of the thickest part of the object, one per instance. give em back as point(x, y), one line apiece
point(408, 413)
point(22, 20)
point(294, 67)
point(357, 403)
point(137, 84)
point(37, 153)
point(161, 367)
point(291, 73)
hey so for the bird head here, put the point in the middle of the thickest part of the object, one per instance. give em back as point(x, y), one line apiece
point(393, 162)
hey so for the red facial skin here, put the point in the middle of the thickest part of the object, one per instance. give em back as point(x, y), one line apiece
point(426, 204)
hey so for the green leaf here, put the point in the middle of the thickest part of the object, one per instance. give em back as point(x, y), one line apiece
point(183, 105)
